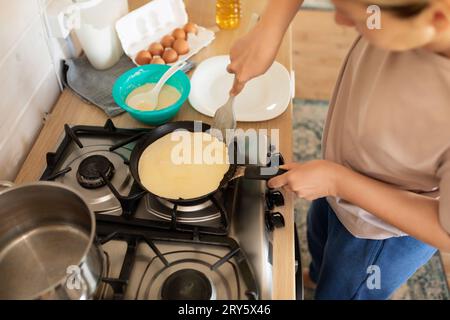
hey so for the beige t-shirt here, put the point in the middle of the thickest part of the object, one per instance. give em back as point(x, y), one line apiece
point(389, 119)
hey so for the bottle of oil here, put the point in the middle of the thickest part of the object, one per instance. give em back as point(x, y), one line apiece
point(228, 14)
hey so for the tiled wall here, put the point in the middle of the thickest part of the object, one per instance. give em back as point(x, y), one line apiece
point(29, 86)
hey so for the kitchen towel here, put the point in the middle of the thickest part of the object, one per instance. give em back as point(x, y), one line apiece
point(95, 86)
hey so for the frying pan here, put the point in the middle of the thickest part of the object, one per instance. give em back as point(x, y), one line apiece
point(250, 172)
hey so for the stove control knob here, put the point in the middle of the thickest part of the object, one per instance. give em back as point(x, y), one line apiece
point(274, 220)
point(274, 199)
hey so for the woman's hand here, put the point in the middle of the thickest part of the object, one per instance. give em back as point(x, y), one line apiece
point(252, 55)
point(412, 213)
point(311, 180)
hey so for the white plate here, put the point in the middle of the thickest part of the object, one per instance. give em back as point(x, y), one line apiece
point(263, 98)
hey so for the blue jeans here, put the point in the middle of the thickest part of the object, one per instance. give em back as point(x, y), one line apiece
point(348, 268)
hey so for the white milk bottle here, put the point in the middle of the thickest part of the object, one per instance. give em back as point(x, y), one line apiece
point(96, 30)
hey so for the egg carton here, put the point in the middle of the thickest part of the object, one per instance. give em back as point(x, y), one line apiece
point(151, 22)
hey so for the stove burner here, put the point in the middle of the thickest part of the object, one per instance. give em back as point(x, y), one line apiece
point(186, 208)
point(187, 284)
point(89, 174)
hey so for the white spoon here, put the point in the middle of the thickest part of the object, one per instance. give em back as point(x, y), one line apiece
point(152, 97)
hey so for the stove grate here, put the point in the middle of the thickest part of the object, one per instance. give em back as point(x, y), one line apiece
point(132, 236)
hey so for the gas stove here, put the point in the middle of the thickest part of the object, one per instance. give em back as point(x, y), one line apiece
point(220, 248)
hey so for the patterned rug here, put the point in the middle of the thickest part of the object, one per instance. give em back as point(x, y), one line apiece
point(429, 282)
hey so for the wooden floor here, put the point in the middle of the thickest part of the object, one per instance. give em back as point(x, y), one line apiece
point(319, 49)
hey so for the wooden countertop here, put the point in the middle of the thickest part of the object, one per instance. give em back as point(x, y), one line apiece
point(70, 109)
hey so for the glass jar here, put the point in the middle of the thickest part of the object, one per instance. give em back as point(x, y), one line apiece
point(228, 14)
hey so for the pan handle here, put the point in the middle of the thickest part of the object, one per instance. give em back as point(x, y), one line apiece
point(262, 173)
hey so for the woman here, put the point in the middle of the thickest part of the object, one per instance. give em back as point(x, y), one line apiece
point(382, 193)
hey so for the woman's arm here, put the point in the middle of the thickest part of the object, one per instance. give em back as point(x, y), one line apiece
point(279, 14)
point(254, 53)
point(412, 213)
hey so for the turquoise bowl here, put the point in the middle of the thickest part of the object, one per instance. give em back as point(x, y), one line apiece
point(150, 73)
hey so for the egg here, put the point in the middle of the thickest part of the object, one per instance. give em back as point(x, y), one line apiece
point(170, 56)
point(191, 27)
point(179, 33)
point(181, 46)
point(143, 57)
point(157, 60)
point(156, 49)
point(167, 41)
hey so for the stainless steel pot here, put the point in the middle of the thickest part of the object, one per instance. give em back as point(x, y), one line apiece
point(47, 248)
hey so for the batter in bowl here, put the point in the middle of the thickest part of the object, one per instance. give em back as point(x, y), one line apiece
point(167, 97)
